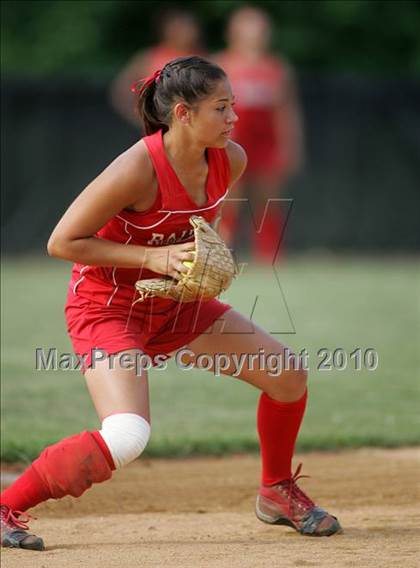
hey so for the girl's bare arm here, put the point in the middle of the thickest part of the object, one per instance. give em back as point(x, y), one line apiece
point(124, 182)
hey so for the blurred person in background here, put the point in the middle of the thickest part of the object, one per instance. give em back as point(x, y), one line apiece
point(270, 128)
point(180, 35)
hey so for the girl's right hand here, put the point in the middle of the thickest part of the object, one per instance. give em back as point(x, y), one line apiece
point(169, 260)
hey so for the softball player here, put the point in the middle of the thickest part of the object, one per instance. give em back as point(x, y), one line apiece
point(179, 36)
point(269, 129)
point(131, 222)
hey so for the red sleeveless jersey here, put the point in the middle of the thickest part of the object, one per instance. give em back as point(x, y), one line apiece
point(165, 223)
point(259, 89)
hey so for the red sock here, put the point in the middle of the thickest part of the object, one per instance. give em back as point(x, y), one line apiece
point(278, 427)
point(66, 468)
point(267, 242)
point(104, 448)
point(27, 491)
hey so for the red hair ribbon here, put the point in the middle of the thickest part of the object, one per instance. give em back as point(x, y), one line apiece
point(139, 86)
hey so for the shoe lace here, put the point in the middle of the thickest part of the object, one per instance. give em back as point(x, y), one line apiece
point(294, 493)
point(17, 519)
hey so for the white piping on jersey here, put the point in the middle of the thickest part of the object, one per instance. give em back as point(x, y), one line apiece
point(80, 279)
point(148, 227)
point(195, 210)
point(169, 213)
point(126, 223)
point(112, 296)
point(115, 268)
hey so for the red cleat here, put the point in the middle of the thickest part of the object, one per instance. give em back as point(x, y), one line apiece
point(286, 504)
point(13, 530)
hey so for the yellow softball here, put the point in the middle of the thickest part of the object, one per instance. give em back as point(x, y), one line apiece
point(188, 263)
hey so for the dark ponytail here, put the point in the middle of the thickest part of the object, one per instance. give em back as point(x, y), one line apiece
point(188, 79)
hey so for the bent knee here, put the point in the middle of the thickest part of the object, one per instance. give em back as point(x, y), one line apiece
point(296, 378)
point(290, 385)
point(126, 436)
point(301, 375)
point(294, 373)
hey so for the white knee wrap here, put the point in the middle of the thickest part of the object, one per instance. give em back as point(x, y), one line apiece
point(126, 436)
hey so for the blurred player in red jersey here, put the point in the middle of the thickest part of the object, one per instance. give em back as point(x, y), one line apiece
point(269, 128)
point(180, 35)
point(132, 222)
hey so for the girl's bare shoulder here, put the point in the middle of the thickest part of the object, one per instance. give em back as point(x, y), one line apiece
point(237, 158)
point(134, 164)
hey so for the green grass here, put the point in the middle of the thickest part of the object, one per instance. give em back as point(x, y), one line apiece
point(332, 302)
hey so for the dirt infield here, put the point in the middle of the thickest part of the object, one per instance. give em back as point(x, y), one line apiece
point(198, 513)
